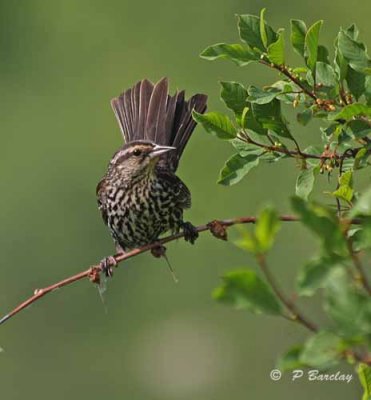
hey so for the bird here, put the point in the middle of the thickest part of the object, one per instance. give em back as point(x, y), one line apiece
point(140, 196)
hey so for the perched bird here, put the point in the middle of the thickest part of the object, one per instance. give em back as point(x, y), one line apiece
point(140, 197)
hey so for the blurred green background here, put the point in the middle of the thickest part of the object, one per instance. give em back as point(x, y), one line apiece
point(61, 62)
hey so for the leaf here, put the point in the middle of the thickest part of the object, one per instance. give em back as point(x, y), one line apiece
point(347, 306)
point(325, 74)
point(260, 96)
point(364, 375)
point(249, 29)
point(304, 117)
point(311, 44)
point(345, 190)
point(353, 51)
point(314, 274)
point(298, 32)
point(244, 289)
point(356, 82)
point(234, 96)
point(291, 360)
point(239, 54)
point(352, 110)
point(363, 205)
point(236, 168)
point(358, 128)
point(217, 124)
point(276, 50)
point(263, 32)
point(305, 182)
point(322, 350)
point(323, 222)
point(270, 117)
point(266, 229)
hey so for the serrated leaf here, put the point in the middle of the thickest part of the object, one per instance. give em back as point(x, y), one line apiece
point(234, 96)
point(246, 290)
point(358, 128)
point(305, 182)
point(353, 51)
point(217, 124)
point(249, 29)
point(314, 274)
point(266, 229)
point(239, 54)
point(311, 44)
point(356, 82)
point(236, 168)
point(276, 50)
point(298, 32)
point(347, 306)
point(322, 350)
point(364, 375)
point(350, 111)
point(260, 96)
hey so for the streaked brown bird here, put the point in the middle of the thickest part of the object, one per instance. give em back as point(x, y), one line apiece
point(140, 197)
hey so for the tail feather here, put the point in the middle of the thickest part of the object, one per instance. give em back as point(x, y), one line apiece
point(148, 112)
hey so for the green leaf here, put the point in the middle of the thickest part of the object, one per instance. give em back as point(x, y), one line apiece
point(291, 359)
point(352, 110)
point(345, 190)
point(234, 96)
point(353, 51)
point(325, 74)
point(358, 128)
point(260, 96)
point(311, 44)
point(356, 82)
point(244, 289)
point(364, 375)
point(236, 168)
point(249, 28)
point(247, 241)
point(305, 182)
point(239, 54)
point(322, 350)
point(314, 274)
point(263, 32)
point(323, 222)
point(304, 117)
point(298, 32)
point(347, 306)
point(266, 229)
point(276, 50)
point(244, 149)
point(269, 116)
point(217, 124)
point(363, 205)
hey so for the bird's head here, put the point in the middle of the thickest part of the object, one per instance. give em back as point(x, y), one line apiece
point(138, 158)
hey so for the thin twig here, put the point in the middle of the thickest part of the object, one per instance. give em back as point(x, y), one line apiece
point(296, 315)
point(94, 271)
point(358, 266)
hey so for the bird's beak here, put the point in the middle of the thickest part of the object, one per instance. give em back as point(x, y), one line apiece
point(159, 150)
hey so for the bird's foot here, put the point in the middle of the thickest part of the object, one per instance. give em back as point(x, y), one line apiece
point(106, 266)
point(190, 232)
point(159, 250)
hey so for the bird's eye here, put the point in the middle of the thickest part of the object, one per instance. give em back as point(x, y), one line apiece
point(137, 152)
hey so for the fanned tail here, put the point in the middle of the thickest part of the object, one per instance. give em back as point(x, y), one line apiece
point(148, 112)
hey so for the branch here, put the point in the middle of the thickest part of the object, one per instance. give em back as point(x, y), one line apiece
point(217, 228)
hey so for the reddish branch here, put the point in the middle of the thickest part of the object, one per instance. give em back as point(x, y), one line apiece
point(217, 228)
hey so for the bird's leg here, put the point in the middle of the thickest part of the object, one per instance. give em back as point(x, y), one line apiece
point(190, 232)
point(160, 251)
point(106, 266)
